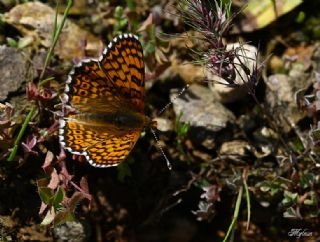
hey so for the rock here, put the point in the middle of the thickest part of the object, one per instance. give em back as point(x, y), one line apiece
point(279, 90)
point(203, 112)
point(163, 124)
point(264, 142)
point(15, 68)
point(181, 65)
point(187, 71)
point(35, 19)
point(7, 225)
point(70, 231)
point(234, 148)
point(280, 96)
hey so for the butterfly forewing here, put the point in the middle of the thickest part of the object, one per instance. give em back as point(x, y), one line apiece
point(123, 64)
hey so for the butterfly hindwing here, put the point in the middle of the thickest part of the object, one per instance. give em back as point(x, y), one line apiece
point(112, 151)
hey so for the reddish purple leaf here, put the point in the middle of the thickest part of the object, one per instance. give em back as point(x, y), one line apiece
point(54, 181)
point(47, 162)
point(30, 144)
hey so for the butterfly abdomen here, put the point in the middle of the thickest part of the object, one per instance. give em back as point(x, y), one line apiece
point(122, 120)
point(129, 120)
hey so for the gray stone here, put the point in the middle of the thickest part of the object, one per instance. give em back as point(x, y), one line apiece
point(203, 112)
point(14, 70)
point(70, 231)
point(164, 124)
point(281, 96)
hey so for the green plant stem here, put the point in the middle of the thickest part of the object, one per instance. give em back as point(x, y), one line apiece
point(55, 37)
point(21, 132)
point(41, 83)
point(248, 202)
point(235, 214)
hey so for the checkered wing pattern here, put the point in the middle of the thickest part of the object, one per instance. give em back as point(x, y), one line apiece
point(122, 62)
point(102, 88)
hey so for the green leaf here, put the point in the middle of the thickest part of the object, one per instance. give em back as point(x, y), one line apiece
point(301, 17)
point(312, 201)
point(58, 197)
point(298, 145)
point(12, 42)
point(122, 23)
point(264, 188)
point(118, 12)
point(290, 213)
point(202, 183)
point(289, 198)
point(131, 5)
point(181, 128)
point(45, 194)
point(306, 180)
point(274, 190)
point(184, 129)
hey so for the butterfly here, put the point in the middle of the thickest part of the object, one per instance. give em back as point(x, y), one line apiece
point(106, 99)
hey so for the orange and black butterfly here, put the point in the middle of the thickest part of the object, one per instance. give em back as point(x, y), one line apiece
point(107, 99)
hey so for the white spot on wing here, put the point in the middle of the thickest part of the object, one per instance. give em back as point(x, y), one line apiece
point(69, 78)
point(101, 56)
point(66, 89)
point(62, 123)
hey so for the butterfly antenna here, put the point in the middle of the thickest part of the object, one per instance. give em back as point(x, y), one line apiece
point(173, 99)
point(160, 148)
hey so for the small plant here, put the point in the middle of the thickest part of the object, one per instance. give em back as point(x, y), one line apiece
point(121, 21)
point(59, 201)
point(182, 130)
point(57, 207)
point(212, 20)
point(12, 42)
point(55, 35)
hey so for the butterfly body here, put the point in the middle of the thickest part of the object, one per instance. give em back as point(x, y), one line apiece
point(120, 120)
point(107, 101)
